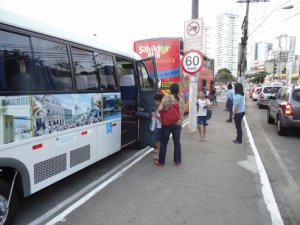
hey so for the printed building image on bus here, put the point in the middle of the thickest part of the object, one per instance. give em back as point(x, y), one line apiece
point(168, 53)
point(37, 115)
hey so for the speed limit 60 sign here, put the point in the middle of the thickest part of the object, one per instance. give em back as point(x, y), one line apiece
point(192, 62)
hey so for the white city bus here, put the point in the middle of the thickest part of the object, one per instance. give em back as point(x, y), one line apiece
point(66, 102)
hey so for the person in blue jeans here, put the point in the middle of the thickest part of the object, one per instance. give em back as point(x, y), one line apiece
point(174, 129)
point(229, 103)
point(238, 112)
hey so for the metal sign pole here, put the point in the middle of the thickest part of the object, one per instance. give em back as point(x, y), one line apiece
point(193, 93)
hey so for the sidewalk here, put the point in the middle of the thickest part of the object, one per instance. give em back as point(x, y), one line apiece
point(217, 184)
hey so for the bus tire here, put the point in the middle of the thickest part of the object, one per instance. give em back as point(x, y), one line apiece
point(4, 192)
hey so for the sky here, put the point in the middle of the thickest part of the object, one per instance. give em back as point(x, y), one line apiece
point(119, 23)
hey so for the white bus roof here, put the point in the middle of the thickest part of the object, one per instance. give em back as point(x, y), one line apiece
point(13, 19)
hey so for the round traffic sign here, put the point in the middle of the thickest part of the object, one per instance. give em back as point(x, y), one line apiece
point(192, 62)
point(193, 28)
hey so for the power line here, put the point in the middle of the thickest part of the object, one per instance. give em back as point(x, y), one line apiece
point(264, 10)
point(256, 12)
point(267, 28)
point(279, 7)
point(298, 13)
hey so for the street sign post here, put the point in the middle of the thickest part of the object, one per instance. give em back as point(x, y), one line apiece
point(192, 62)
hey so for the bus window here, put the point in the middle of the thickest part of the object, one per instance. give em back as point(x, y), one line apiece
point(51, 66)
point(85, 72)
point(105, 69)
point(147, 82)
point(15, 57)
point(126, 78)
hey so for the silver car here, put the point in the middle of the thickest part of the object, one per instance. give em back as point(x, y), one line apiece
point(267, 92)
point(284, 109)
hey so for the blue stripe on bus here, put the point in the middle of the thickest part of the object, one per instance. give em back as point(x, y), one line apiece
point(167, 73)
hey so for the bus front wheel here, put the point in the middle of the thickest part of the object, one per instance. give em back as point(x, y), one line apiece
point(7, 213)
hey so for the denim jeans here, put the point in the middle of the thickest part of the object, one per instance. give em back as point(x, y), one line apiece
point(230, 106)
point(214, 100)
point(238, 124)
point(175, 130)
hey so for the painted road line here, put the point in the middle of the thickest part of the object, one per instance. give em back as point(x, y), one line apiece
point(285, 171)
point(92, 185)
point(85, 198)
point(265, 184)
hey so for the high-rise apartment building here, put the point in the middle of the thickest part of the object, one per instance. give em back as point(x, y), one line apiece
point(227, 43)
point(206, 40)
point(284, 47)
point(262, 51)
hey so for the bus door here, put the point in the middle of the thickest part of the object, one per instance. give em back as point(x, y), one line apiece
point(148, 87)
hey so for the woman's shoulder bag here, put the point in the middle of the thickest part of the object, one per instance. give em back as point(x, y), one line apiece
point(170, 115)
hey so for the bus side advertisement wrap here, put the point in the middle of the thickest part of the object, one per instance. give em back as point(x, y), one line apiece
point(167, 53)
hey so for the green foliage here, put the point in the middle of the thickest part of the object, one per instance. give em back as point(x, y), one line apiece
point(259, 77)
point(224, 70)
point(224, 75)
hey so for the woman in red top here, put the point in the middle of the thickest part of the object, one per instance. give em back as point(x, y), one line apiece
point(174, 129)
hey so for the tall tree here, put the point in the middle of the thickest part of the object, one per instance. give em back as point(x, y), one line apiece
point(259, 77)
point(224, 75)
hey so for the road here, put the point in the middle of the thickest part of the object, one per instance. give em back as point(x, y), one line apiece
point(281, 158)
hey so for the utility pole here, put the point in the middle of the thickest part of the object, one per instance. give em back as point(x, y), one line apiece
point(193, 86)
point(242, 65)
point(195, 6)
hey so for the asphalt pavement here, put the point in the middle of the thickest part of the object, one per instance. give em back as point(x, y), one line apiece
point(217, 184)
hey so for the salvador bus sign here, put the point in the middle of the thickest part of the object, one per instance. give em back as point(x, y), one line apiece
point(192, 62)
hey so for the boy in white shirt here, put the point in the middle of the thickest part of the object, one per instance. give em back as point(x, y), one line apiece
point(202, 105)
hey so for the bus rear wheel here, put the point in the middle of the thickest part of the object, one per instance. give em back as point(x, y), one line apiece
point(7, 217)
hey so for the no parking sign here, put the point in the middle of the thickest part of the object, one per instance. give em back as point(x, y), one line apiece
point(192, 62)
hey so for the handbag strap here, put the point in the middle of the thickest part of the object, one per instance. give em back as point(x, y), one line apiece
point(169, 101)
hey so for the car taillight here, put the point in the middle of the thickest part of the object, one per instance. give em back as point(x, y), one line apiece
point(288, 109)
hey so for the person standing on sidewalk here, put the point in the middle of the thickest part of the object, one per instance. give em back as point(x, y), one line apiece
point(238, 112)
point(213, 96)
point(229, 101)
point(202, 105)
point(174, 129)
